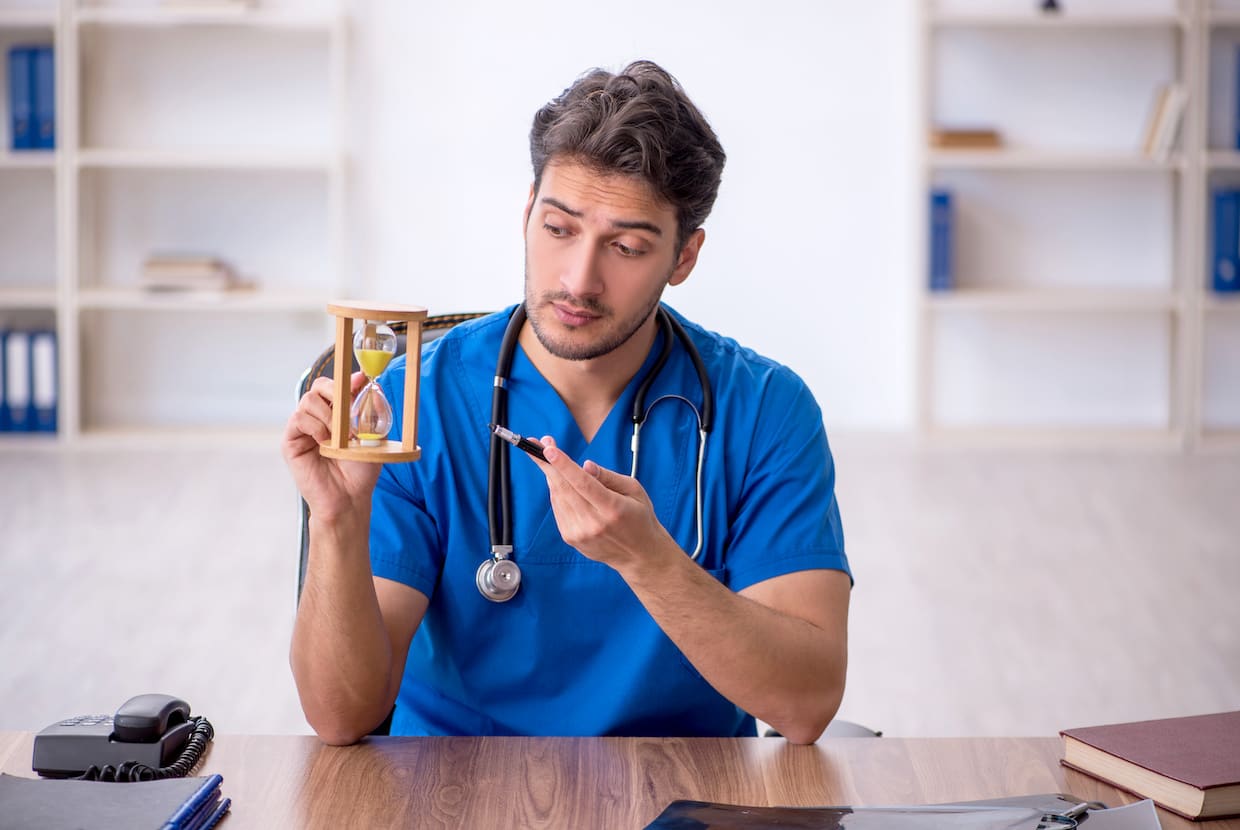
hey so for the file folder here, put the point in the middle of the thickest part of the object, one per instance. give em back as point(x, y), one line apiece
point(43, 387)
point(17, 381)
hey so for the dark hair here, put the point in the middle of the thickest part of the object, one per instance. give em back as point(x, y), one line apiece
point(641, 123)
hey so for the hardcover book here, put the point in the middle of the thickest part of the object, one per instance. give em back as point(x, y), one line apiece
point(1189, 765)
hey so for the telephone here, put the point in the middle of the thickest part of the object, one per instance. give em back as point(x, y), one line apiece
point(149, 737)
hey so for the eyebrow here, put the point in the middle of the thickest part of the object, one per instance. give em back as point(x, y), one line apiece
point(624, 224)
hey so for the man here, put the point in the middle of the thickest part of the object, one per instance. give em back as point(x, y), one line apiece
point(678, 602)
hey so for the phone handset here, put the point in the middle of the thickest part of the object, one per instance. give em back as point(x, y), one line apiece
point(149, 737)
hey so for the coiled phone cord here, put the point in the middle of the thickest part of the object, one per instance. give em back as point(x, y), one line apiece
point(129, 771)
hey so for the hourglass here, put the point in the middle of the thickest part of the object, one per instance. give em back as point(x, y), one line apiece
point(369, 418)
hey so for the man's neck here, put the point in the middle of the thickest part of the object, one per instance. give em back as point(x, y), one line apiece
point(590, 388)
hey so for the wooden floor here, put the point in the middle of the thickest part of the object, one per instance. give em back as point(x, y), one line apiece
point(998, 592)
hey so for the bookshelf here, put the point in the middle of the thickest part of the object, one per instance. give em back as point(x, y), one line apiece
point(1081, 313)
point(214, 130)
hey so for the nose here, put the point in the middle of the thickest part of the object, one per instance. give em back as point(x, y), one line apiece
point(582, 275)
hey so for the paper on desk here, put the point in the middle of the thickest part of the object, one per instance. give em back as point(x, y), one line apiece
point(1140, 815)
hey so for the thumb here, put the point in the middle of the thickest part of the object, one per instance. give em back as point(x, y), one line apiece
point(356, 382)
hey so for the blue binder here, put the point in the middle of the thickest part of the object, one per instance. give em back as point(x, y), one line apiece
point(941, 219)
point(44, 102)
point(17, 373)
point(4, 406)
point(21, 97)
point(1226, 261)
point(43, 387)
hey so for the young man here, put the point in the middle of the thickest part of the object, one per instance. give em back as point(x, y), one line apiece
point(708, 588)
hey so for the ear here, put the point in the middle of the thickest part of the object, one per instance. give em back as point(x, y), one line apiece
point(688, 257)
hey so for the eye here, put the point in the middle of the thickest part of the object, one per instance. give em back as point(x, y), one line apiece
point(625, 250)
point(554, 230)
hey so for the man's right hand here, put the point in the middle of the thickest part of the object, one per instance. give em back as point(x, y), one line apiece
point(331, 488)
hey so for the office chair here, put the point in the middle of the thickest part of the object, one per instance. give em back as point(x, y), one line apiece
point(432, 328)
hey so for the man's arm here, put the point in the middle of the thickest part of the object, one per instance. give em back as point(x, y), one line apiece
point(352, 631)
point(778, 649)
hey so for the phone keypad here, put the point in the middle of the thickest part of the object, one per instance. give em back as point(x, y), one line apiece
point(87, 720)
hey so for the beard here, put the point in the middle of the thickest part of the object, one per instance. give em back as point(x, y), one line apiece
point(614, 333)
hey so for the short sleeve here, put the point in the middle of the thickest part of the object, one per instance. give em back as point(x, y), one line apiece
point(404, 539)
point(787, 518)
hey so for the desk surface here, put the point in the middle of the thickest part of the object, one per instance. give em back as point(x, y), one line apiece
point(297, 782)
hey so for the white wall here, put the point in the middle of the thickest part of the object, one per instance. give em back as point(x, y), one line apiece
point(809, 255)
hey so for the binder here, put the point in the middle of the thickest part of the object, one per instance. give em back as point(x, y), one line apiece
point(17, 381)
point(4, 406)
point(43, 90)
point(21, 98)
point(1226, 260)
point(941, 220)
point(169, 804)
point(43, 387)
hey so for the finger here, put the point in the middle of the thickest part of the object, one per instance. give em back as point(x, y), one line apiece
point(356, 382)
point(616, 482)
point(585, 484)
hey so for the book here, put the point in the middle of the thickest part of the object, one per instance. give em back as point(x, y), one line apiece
point(1225, 277)
point(1189, 765)
point(942, 217)
point(43, 388)
point(170, 804)
point(21, 97)
point(17, 399)
point(1163, 124)
point(187, 272)
point(968, 138)
point(43, 97)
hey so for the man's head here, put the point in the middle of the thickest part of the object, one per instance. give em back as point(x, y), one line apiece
point(636, 123)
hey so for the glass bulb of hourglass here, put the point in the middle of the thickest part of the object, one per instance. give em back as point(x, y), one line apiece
point(374, 346)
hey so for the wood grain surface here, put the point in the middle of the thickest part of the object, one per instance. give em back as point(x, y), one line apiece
point(298, 782)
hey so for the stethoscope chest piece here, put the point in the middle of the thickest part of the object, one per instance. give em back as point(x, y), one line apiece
point(498, 579)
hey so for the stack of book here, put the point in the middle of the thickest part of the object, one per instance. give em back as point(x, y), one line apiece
point(32, 98)
point(188, 272)
point(972, 138)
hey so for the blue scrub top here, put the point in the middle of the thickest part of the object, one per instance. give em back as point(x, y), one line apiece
point(574, 652)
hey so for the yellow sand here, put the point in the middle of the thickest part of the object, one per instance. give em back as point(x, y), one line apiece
point(373, 361)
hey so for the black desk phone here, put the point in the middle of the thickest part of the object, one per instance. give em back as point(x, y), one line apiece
point(149, 737)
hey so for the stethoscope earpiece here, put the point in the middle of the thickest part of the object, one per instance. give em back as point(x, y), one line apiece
point(498, 579)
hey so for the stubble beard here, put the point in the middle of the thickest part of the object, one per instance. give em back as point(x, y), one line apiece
point(615, 336)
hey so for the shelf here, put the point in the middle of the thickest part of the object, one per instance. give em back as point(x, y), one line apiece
point(296, 160)
point(1125, 301)
point(1222, 17)
point(1082, 438)
point(28, 160)
point(1051, 160)
point(10, 441)
point(186, 438)
point(34, 298)
point(136, 299)
point(1061, 20)
point(241, 16)
point(1223, 159)
point(1214, 301)
point(27, 18)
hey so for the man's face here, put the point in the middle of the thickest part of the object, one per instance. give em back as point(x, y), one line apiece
point(599, 249)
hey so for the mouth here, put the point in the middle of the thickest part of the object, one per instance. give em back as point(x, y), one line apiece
point(570, 316)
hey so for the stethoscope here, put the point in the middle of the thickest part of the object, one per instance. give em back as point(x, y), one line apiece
point(499, 577)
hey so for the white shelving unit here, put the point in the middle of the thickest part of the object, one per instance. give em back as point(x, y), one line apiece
point(217, 131)
point(1075, 318)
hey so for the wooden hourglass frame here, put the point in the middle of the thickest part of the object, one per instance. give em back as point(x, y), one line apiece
point(339, 445)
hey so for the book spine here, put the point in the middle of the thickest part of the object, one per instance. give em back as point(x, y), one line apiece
point(44, 101)
point(17, 381)
point(21, 95)
point(1226, 276)
point(941, 233)
point(43, 387)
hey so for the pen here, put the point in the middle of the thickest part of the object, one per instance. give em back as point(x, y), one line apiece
point(529, 445)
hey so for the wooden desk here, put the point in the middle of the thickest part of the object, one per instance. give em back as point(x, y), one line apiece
point(297, 782)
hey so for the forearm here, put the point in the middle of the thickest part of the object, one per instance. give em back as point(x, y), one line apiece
point(341, 653)
point(782, 669)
